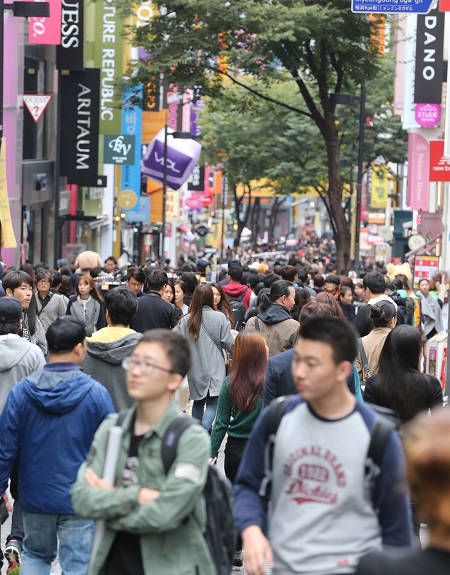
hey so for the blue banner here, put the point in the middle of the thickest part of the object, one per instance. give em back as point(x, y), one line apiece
point(131, 175)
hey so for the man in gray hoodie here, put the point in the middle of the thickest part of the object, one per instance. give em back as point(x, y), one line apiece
point(18, 359)
point(107, 347)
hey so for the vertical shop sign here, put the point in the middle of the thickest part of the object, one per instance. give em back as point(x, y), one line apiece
point(131, 175)
point(108, 57)
point(379, 187)
point(8, 239)
point(418, 172)
point(46, 30)
point(79, 130)
point(429, 57)
point(70, 53)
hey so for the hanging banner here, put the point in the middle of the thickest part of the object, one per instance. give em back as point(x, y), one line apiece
point(79, 130)
point(131, 174)
point(108, 57)
point(70, 53)
point(409, 107)
point(8, 239)
point(46, 30)
point(172, 206)
point(418, 172)
point(424, 267)
point(429, 57)
point(182, 157)
point(379, 187)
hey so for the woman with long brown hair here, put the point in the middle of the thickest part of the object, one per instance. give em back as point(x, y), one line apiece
point(221, 302)
point(209, 332)
point(87, 305)
point(240, 403)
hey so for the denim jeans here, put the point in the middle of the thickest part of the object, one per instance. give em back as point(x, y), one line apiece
point(205, 416)
point(40, 545)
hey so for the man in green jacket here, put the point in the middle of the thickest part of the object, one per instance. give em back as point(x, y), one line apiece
point(154, 521)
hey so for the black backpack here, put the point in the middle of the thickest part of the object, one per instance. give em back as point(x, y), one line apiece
point(220, 533)
point(238, 309)
point(385, 423)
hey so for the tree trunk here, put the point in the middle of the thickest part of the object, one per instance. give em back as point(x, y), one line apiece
point(273, 216)
point(337, 212)
point(241, 224)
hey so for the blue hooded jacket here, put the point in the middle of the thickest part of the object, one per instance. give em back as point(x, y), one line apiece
point(49, 422)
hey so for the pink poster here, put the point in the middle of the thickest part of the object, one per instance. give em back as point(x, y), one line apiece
point(46, 30)
point(418, 172)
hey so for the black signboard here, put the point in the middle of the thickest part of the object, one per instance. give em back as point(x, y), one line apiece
point(80, 94)
point(197, 179)
point(429, 57)
point(69, 54)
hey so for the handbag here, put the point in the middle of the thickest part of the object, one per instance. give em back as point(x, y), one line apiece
point(362, 353)
point(226, 356)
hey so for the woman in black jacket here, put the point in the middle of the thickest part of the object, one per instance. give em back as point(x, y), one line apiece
point(400, 385)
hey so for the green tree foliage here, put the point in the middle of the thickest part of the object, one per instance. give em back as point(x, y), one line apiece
point(318, 45)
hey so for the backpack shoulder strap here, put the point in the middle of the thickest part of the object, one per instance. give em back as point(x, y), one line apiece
point(257, 324)
point(121, 417)
point(171, 437)
point(362, 353)
point(379, 440)
point(274, 415)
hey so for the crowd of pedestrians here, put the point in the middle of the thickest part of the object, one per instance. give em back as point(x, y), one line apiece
point(320, 477)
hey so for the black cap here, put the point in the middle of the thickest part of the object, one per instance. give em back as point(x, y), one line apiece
point(65, 333)
point(10, 309)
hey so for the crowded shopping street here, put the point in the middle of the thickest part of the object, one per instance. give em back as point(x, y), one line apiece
point(224, 287)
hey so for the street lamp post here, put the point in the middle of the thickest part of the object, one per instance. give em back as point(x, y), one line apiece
point(163, 226)
point(362, 123)
point(182, 136)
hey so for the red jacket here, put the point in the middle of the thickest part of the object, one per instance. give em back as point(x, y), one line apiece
point(236, 289)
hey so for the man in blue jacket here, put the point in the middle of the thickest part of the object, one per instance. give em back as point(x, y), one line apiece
point(324, 514)
point(48, 424)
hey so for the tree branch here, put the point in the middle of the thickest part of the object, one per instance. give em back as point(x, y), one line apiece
point(315, 113)
point(339, 73)
point(263, 96)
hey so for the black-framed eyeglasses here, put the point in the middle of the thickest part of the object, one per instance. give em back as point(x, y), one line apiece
point(144, 366)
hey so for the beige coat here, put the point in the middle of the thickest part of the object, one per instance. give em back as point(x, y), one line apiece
point(279, 336)
point(373, 344)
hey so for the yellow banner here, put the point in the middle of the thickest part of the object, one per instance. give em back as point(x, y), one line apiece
point(7, 231)
point(379, 187)
point(172, 206)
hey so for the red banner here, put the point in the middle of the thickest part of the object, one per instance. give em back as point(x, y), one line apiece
point(444, 5)
point(439, 165)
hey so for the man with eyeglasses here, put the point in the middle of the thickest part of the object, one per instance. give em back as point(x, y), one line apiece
point(154, 522)
point(135, 280)
point(49, 305)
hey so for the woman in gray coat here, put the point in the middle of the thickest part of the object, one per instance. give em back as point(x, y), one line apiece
point(209, 331)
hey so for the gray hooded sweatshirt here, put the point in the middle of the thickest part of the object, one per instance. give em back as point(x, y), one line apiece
point(103, 362)
point(18, 359)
